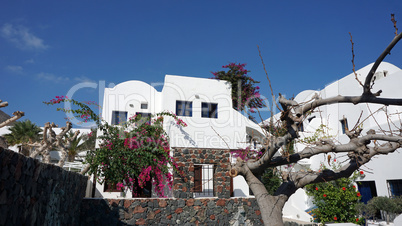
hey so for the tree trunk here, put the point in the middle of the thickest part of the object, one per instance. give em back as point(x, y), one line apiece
point(63, 157)
point(70, 158)
point(270, 206)
point(387, 216)
point(24, 150)
point(271, 209)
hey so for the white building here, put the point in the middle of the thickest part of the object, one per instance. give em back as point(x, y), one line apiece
point(205, 105)
point(383, 174)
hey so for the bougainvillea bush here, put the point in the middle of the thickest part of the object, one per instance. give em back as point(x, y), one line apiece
point(131, 154)
point(80, 111)
point(134, 153)
point(335, 200)
point(244, 92)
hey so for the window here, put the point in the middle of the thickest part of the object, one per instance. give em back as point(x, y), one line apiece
point(184, 108)
point(198, 178)
point(394, 187)
point(144, 106)
point(209, 110)
point(344, 123)
point(119, 117)
point(367, 189)
point(204, 180)
point(231, 187)
point(109, 187)
point(145, 117)
point(145, 192)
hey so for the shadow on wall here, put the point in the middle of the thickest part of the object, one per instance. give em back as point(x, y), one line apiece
point(186, 135)
point(239, 193)
point(110, 216)
point(35, 193)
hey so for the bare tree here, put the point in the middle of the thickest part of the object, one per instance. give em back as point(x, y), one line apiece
point(17, 115)
point(360, 149)
point(51, 141)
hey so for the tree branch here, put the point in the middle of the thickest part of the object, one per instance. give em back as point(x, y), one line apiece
point(373, 69)
point(356, 145)
point(17, 115)
point(51, 140)
point(3, 104)
point(272, 148)
point(301, 179)
point(302, 109)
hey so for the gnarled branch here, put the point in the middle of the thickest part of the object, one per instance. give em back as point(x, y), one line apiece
point(373, 69)
point(17, 115)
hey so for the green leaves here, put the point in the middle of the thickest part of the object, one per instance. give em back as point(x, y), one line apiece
point(335, 199)
point(271, 180)
point(23, 132)
point(244, 92)
point(82, 110)
point(134, 152)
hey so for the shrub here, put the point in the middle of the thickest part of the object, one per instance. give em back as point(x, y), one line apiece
point(335, 200)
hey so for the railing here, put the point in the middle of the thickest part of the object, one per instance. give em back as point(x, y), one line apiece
point(73, 166)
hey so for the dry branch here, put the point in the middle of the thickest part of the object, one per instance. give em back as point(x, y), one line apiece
point(51, 141)
point(17, 115)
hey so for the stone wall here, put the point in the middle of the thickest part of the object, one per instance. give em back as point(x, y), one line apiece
point(34, 193)
point(186, 158)
point(211, 211)
point(183, 209)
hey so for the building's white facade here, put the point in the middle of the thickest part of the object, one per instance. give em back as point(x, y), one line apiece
point(201, 131)
point(381, 171)
point(227, 129)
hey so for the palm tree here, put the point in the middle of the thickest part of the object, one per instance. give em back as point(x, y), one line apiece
point(24, 133)
point(80, 143)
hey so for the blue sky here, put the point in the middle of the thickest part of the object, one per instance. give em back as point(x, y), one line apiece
point(48, 47)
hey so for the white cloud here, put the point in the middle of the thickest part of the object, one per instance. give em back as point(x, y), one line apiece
point(61, 79)
point(14, 69)
point(51, 77)
point(30, 61)
point(22, 38)
point(83, 79)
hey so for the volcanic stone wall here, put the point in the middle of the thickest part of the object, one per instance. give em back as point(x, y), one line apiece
point(211, 211)
point(34, 193)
